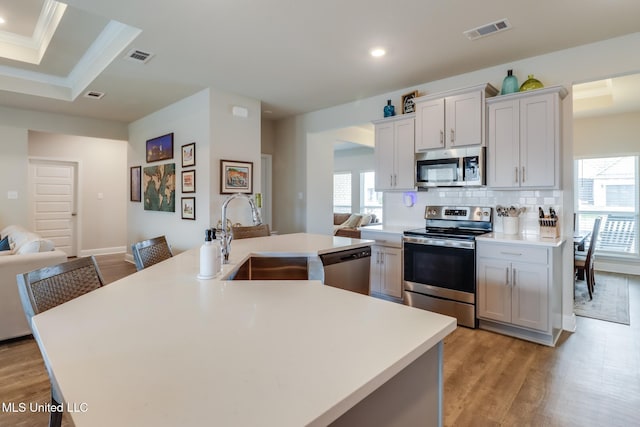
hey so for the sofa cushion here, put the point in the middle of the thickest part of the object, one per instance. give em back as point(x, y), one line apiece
point(4, 244)
point(340, 218)
point(34, 246)
point(353, 221)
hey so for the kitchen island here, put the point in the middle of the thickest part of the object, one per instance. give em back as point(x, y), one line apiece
point(162, 348)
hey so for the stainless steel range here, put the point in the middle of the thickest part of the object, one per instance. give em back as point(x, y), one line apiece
point(440, 261)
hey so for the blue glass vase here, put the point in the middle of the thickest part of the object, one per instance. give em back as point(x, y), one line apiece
point(509, 84)
point(389, 110)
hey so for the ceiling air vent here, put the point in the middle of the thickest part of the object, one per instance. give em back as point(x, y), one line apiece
point(139, 56)
point(93, 94)
point(488, 29)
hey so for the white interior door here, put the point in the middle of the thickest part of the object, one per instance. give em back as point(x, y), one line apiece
point(265, 177)
point(53, 202)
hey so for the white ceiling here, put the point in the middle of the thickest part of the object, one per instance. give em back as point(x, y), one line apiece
point(294, 56)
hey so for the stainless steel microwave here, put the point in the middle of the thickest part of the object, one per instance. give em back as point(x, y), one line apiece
point(459, 167)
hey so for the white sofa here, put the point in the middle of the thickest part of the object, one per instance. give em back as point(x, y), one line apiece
point(28, 252)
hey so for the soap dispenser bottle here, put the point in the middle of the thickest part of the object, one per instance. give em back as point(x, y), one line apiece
point(207, 257)
point(217, 249)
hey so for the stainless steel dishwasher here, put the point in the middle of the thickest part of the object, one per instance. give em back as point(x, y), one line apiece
point(348, 269)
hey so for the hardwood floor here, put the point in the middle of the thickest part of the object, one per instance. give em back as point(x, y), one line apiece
point(592, 378)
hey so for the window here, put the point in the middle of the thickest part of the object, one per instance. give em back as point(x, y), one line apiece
point(370, 199)
point(347, 198)
point(342, 192)
point(608, 187)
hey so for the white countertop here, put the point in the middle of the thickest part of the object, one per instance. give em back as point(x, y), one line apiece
point(162, 348)
point(529, 239)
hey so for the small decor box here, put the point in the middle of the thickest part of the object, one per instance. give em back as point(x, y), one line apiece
point(549, 227)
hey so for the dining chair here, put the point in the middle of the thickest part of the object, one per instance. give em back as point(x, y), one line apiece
point(583, 262)
point(48, 287)
point(150, 252)
point(244, 232)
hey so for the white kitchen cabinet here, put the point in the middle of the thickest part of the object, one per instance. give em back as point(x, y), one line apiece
point(386, 271)
point(394, 151)
point(519, 290)
point(451, 119)
point(523, 147)
point(386, 262)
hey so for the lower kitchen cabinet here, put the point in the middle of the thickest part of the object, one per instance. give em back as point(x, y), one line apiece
point(386, 271)
point(519, 290)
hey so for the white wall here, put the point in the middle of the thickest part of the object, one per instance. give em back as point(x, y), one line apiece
point(15, 125)
point(564, 68)
point(14, 148)
point(204, 118)
point(612, 135)
point(102, 223)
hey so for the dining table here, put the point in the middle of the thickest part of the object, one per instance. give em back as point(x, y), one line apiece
point(161, 347)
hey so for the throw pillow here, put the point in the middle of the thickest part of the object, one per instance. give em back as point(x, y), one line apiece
point(366, 220)
point(4, 244)
point(353, 221)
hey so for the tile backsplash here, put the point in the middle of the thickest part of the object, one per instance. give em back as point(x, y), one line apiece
point(396, 213)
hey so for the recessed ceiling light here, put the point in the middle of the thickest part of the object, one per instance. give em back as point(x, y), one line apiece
point(377, 52)
point(2, 21)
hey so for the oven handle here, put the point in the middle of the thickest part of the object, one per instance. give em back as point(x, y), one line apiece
point(452, 243)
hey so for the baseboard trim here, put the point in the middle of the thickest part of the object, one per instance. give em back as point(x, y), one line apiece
point(622, 267)
point(104, 251)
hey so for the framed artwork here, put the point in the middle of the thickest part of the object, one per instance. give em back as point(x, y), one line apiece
point(189, 208)
point(189, 155)
point(159, 184)
point(189, 181)
point(160, 148)
point(135, 181)
point(408, 105)
point(236, 177)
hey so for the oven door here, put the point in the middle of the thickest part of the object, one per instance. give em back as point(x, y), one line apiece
point(444, 268)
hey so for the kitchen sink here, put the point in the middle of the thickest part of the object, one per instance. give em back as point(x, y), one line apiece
point(272, 268)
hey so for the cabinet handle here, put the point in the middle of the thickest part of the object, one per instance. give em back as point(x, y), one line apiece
point(441, 137)
point(391, 180)
point(511, 253)
point(516, 169)
point(453, 137)
point(506, 270)
point(523, 175)
point(513, 277)
point(395, 180)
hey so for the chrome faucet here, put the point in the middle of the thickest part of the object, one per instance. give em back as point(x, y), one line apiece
point(226, 235)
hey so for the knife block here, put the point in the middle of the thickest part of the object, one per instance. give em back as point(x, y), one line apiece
point(549, 227)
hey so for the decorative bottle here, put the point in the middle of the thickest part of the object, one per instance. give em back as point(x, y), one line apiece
point(389, 110)
point(509, 84)
point(207, 257)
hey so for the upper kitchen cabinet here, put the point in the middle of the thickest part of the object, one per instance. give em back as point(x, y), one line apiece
point(523, 147)
point(452, 119)
point(394, 150)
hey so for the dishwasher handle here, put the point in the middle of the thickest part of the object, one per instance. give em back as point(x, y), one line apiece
point(345, 256)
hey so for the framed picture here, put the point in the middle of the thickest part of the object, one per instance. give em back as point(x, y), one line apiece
point(408, 105)
point(189, 155)
point(135, 181)
point(189, 208)
point(160, 148)
point(236, 177)
point(189, 181)
point(159, 184)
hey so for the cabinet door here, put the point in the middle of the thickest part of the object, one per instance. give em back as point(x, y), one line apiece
point(429, 124)
point(403, 178)
point(463, 120)
point(494, 290)
point(375, 276)
point(538, 148)
point(392, 265)
point(530, 301)
point(503, 145)
point(384, 156)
